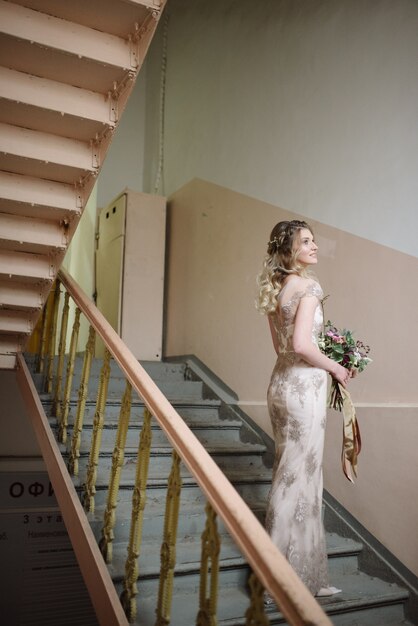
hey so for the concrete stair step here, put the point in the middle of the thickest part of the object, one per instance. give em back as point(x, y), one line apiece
point(158, 370)
point(209, 437)
point(380, 605)
point(245, 457)
point(200, 410)
point(191, 522)
point(209, 433)
point(232, 604)
point(251, 488)
point(343, 560)
point(233, 569)
point(158, 480)
point(175, 391)
point(364, 600)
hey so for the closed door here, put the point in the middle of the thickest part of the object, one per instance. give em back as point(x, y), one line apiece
point(109, 261)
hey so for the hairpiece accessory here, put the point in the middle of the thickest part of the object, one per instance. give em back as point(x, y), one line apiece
point(286, 231)
point(277, 242)
point(274, 245)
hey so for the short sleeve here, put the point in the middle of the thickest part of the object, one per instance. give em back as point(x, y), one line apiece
point(301, 288)
point(312, 289)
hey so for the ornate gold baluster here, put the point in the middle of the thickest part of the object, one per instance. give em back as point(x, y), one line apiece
point(255, 614)
point(211, 544)
point(62, 428)
point(89, 488)
point(53, 338)
point(46, 317)
point(82, 397)
point(128, 596)
point(168, 547)
point(117, 463)
point(56, 407)
point(42, 347)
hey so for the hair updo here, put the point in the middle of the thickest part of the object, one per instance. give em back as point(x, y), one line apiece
point(281, 260)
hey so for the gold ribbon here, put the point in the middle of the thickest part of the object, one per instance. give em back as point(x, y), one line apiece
point(351, 435)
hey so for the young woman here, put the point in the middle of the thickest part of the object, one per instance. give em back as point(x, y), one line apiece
point(296, 399)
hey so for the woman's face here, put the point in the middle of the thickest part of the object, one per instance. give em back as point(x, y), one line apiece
point(306, 247)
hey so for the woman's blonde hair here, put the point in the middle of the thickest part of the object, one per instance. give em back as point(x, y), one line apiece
point(281, 260)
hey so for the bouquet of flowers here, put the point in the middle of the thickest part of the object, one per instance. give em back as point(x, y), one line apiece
point(340, 346)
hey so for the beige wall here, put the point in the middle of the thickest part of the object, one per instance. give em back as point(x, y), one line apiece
point(384, 496)
point(217, 239)
point(17, 438)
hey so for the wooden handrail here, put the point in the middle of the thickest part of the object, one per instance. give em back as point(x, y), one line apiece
point(295, 601)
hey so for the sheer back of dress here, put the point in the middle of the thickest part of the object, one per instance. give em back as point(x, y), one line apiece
point(287, 306)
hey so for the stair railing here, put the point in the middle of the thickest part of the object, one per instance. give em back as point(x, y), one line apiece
point(270, 569)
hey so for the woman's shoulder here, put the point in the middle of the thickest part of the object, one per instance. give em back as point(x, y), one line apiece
point(302, 286)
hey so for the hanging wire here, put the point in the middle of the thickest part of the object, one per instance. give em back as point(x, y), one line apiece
point(159, 178)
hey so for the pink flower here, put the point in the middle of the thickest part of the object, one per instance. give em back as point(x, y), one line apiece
point(335, 337)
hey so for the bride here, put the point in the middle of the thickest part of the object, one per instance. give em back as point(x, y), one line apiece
point(296, 400)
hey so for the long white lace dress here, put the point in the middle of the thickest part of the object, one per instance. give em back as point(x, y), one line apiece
point(297, 405)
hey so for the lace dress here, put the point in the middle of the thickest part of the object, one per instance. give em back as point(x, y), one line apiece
point(297, 406)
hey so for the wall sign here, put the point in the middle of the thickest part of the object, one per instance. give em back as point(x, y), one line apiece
point(40, 581)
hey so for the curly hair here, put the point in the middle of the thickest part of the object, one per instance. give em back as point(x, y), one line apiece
point(280, 261)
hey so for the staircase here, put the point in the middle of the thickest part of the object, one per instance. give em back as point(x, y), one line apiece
point(67, 68)
point(245, 458)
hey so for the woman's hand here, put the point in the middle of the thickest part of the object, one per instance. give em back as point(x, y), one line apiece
point(341, 374)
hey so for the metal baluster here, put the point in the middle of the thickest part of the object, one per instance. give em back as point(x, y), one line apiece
point(53, 338)
point(255, 614)
point(89, 488)
point(82, 397)
point(42, 347)
point(168, 547)
point(56, 408)
point(63, 424)
point(211, 544)
point(117, 463)
point(130, 590)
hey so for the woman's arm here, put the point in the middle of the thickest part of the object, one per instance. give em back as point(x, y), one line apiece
point(304, 346)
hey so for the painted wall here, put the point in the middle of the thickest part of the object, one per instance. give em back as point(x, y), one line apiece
point(217, 240)
point(308, 105)
point(124, 163)
point(17, 438)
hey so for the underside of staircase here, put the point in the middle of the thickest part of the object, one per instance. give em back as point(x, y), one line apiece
point(66, 71)
point(245, 455)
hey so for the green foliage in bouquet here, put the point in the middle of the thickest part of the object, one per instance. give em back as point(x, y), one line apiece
point(340, 346)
